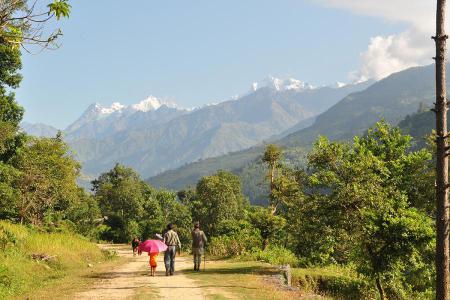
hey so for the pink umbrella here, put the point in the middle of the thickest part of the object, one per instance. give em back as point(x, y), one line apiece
point(152, 246)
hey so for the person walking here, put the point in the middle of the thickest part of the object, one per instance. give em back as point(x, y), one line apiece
point(198, 245)
point(172, 241)
point(135, 244)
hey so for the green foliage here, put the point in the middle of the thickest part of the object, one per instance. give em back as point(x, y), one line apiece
point(86, 216)
point(275, 255)
point(272, 155)
point(120, 196)
point(397, 246)
point(47, 181)
point(171, 210)
point(368, 202)
point(218, 199)
point(22, 24)
point(133, 208)
point(10, 64)
point(235, 241)
point(10, 112)
point(269, 225)
point(341, 283)
point(61, 8)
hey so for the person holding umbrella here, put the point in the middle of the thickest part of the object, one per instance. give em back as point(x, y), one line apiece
point(198, 244)
point(153, 247)
point(172, 241)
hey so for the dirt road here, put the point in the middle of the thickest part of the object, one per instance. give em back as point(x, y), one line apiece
point(132, 281)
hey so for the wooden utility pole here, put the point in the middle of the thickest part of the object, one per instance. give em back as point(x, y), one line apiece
point(441, 106)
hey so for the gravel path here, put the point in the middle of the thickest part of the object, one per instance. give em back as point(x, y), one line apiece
point(132, 280)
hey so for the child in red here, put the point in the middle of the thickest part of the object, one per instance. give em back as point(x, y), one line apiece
point(152, 262)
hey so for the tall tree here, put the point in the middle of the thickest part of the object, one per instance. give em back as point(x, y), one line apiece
point(120, 195)
point(272, 156)
point(220, 199)
point(47, 181)
point(442, 218)
point(358, 198)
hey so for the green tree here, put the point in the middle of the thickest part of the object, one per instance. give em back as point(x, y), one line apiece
point(86, 216)
point(219, 199)
point(47, 181)
point(173, 211)
point(349, 188)
point(271, 157)
point(120, 196)
point(267, 224)
point(393, 244)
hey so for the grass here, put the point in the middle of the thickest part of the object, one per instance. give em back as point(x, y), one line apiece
point(242, 280)
point(238, 279)
point(333, 281)
point(70, 255)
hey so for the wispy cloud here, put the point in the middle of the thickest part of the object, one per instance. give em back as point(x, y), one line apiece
point(388, 54)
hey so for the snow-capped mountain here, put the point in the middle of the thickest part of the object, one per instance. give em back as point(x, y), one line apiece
point(282, 84)
point(152, 103)
point(152, 135)
point(99, 121)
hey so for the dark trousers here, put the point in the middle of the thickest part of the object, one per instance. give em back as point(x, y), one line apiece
point(197, 261)
point(169, 259)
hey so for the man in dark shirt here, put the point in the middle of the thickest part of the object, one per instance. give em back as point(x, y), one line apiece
point(198, 245)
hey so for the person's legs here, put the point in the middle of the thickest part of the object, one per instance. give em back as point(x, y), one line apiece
point(195, 262)
point(199, 262)
point(172, 259)
point(167, 258)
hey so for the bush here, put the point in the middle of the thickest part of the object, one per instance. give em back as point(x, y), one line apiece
point(235, 244)
point(274, 255)
point(339, 282)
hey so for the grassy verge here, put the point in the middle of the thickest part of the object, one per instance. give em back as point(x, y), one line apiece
point(65, 254)
point(242, 280)
point(334, 281)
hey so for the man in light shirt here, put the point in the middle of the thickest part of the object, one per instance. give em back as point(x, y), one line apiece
point(172, 241)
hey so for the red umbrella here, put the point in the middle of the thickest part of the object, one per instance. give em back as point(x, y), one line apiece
point(152, 246)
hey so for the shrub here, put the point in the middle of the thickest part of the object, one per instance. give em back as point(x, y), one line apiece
point(274, 255)
point(235, 244)
point(339, 282)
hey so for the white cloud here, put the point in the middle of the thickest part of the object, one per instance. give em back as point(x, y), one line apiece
point(388, 54)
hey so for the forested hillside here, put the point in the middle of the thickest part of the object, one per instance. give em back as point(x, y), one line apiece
point(391, 99)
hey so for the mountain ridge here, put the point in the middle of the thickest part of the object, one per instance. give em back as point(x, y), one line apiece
point(183, 136)
point(392, 98)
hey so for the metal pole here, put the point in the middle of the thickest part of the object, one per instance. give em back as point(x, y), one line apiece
point(204, 260)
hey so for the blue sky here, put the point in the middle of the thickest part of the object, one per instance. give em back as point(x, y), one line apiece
point(191, 51)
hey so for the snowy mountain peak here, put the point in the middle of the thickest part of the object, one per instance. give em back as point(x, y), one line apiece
point(338, 85)
point(282, 84)
point(115, 107)
point(151, 103)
